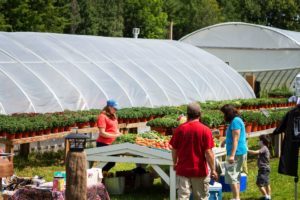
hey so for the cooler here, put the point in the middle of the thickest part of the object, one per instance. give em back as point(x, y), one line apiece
point(227, 188)
point(215, 192)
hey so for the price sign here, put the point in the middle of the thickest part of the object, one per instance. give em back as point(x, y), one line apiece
point(265, 112)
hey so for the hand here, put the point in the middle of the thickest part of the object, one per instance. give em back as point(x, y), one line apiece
point(223, 143)
point(174, 167)
point(119, 134)
point(214, 175)
point(231, 159)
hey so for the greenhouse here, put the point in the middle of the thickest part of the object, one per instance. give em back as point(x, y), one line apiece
point(271, 54)
point(45, 72)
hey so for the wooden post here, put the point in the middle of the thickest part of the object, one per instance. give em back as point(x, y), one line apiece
point(251, 80)
point(9, 148)
point(171, 30)
point(277, 139)
point(76, 186)
point(67, 148)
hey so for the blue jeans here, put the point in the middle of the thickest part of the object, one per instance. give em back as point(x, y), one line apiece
point(109, 165)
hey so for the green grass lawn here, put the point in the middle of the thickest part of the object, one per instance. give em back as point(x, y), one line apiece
point(46, 164)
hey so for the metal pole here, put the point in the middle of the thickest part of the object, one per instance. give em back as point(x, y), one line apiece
point(296, 187)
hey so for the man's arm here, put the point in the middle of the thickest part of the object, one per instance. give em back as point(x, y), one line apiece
point(174, 157)
point(210, 157)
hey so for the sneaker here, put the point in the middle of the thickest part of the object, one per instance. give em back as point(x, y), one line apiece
point(264, 198)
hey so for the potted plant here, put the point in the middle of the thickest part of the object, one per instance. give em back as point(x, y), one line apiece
point(81, 121)
point(10, 128)
point(93, 120)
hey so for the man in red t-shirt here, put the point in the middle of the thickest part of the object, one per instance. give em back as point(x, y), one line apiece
point(192, 145)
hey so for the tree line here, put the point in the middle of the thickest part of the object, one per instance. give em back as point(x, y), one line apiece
point(155, 18)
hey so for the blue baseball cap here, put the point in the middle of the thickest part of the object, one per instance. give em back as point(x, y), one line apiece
point(113, 103)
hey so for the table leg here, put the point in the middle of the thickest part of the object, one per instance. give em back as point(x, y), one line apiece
point(172, 184)
point(9, 148)
point(24, 150)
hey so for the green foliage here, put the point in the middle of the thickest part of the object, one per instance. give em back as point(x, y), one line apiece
point(117, 18)
point(230, 9)
point(39, 15)
point(212, 118)
point(129, 137)
point(146, 15)
point(151, 135)
point(163, 122)
point(111, 17)
point(195, 14)
point(281, 14)
point(4, 26)
point(280, 92)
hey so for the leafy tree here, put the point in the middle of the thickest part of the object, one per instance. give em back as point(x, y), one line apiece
point(3, 24)
point(278, 13)
point(196, 14)
point(85, 17)
point(171, 7)
point(34, 15)
point(282, 14)
point(111, 21)
point(230, 9)
point(74, 17)
point(146, 15)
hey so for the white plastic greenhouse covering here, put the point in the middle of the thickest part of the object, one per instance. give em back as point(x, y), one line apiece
point(45, 72)
point(271, 54)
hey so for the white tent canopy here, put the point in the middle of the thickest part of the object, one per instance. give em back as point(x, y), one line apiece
point(45, 72)
point(272, 54)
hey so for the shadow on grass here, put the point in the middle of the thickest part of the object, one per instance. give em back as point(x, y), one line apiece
point(40, 159)
point(157, 192)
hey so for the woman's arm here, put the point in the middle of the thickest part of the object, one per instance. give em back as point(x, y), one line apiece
point(108, 135)
point(235, 138)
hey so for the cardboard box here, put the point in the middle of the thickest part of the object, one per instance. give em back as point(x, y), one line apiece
point(94, 176)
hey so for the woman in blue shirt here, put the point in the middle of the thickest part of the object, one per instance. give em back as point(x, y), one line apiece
point(236, 148)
